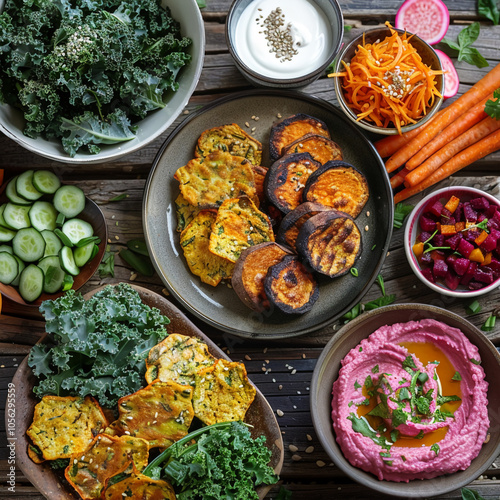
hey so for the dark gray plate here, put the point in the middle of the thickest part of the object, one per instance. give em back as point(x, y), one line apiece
point(220, 306)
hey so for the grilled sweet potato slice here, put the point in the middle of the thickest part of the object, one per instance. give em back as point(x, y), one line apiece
point(239, 225)
point(251, 269)
point(293, 221)
point(321, 148)
point(230, 138)
point(207, 182)
point(338, 185)
point(259, 174)
point(331, 243)
point(286, 179)
point(290, 287)
point(292, 128)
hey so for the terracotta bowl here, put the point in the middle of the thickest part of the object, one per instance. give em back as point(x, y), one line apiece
point(92, 214)
point(326, 373)
point(428, 56)
point(52, 484)
point(412, 230)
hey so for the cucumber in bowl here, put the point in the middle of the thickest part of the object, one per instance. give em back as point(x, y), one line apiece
point(45, 238)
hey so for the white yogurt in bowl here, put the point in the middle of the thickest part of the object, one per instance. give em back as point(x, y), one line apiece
point(284, 44)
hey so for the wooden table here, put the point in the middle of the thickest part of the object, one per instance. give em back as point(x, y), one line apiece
point(269, 364)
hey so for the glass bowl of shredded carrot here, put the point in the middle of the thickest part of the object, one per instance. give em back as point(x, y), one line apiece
point(388, 81)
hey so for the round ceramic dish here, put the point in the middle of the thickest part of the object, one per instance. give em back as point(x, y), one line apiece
point(51, 483)
point(426, 52)
point(412, 230)
point(326, 372)
point(187, 13)
point(333, 13)
point(220, 306)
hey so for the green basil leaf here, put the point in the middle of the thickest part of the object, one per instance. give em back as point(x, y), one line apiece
point(489, 10)
point(472, 56)
point(451, 44)
point(469, 35)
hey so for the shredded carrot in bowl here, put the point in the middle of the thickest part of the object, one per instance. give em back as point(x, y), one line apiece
point(387, 84)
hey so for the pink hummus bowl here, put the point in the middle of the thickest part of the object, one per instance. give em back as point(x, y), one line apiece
point(327, 372)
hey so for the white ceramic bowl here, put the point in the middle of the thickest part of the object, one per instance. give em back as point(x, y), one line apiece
point(412, 230)
point(187, 13)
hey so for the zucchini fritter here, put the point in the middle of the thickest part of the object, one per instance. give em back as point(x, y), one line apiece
point(140, 487)
point(177, 359)
point(207, 182)
point(232, 139)
point(185, 212)
point(195, 241)
point(222, 393)
point(63, 426)
point(239, 225)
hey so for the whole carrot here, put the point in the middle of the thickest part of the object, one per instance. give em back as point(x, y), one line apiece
point(466, 121)
point(476, 93)
point(398, 178)
point(468, 138)
point(390, 144)
point(484, 147)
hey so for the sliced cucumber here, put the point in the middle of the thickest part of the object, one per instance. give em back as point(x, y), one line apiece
point(52, 243)
point(69, 200)
point(83, 254)
point(53, 274)
point(28, 244)
point(25, 188)
point(16, 216)
point(31, 283)
point(21, 265)
point(43, 215)
point(9, 268)
point(77, 229)
point(12, 194)
point(68, 261)
point(6, 248)
point(2, 220)
point(61, 218)
point(6, 234)
point(46, 182)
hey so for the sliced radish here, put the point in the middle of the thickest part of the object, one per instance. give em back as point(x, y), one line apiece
point(451, 80)
point(429, 19)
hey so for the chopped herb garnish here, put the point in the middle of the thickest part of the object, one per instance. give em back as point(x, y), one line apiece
point(475, 361)
point(403, 458)
point(354, 272)
point(399, 417)
point(401, 210)
point(380, 283)
point(457, 376)
point(394, 435)
point(473, 307)
point(381, 410)
point(420, 435)
point(489, 324)
point(381, 301)
point(409, 362)
point(435, 448)
point(491, 107)
point(441, 400)
point(423, 378)
point(375, 369)
point(368, 382)
point(119, 197)
point(357, 385)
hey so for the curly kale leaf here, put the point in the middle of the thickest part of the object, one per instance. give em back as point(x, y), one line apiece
point(98, 346)
point(88, 129)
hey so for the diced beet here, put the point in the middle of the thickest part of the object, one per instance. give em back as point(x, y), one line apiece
point(446, 217)
point(494, 265)
point(451, 280)
point(450, 259)
point(472, 234)
point(496, 216)
point(492, 224)
point(469, 274)
point(475, 285)
point(461, 265)
point(481, 274)
point(453, 241)
point(469, 213)
point(438, 240)
point(491, 210)
point(480, 203)
point(480, 217)
point(424, 236)
point(437, 255)
point(489, 244)
point(439, 269)
point(427, 274)
point(425, 258)
point(427, 224)
point(459, 212)
point(436, 208)
point(465, 248)
point(495, 233)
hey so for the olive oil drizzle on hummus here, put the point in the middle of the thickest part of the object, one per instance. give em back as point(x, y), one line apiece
point(375, 419)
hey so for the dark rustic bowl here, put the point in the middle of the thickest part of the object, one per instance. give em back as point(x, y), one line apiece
point(426, 52)
point(333, 12)
point(91, 214)
point(52, 485)
point(326, 373)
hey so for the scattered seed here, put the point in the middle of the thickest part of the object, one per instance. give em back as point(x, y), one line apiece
point(293, 448)
point(296, 458)
point(165, 292)
point(309, 449)
point(133, 277)
point(309, 437)
point(278, 115)
point(109, 240)
point(186, 111)
point(366, 227)
point(279, 413)
point(280, 387)
point(294, 371)
point(256, 118)
point(247, 124)
point(117, 237)
point(247, 357)
point(263, 368)
point(265, 350)
point(320, 463)
point(303, 356)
